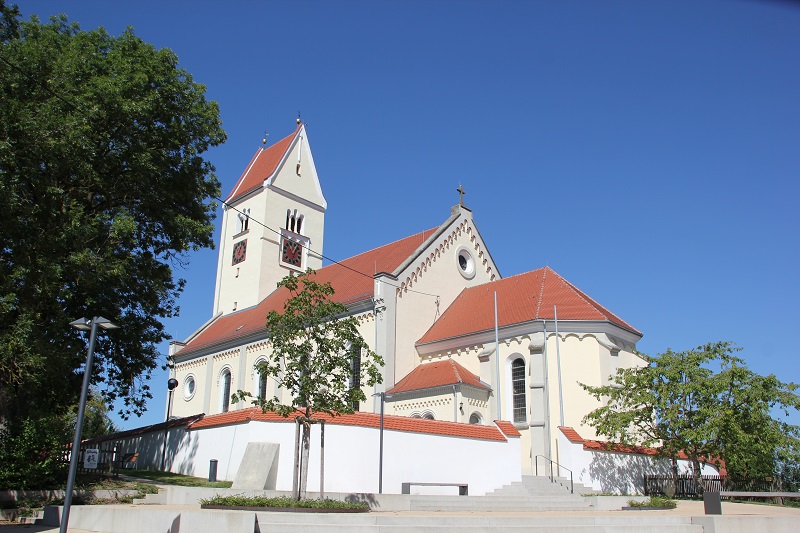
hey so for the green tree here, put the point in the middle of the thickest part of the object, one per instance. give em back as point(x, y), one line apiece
point(316, 352)
point(705, 403)
point(103, 191)
point(97, 420)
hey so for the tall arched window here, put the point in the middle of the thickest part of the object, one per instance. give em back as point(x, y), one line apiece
point(355, 372)
point(225, 391)
point(518, 387)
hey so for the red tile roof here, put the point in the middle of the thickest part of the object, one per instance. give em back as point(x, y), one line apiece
point(508, 428)
point(603, 446)
point(351, 279)
point(438, 374)
point(571, 434)
point(262, 166)
point(390, 422)
point(521, 298)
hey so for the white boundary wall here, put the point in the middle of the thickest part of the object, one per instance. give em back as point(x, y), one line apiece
point(351, 456)
point(615, 472)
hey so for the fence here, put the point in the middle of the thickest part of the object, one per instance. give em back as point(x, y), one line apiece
point(686, 487)
point(106, 458)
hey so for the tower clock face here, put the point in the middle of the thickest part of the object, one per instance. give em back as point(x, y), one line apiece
point(239, 251)
point(291, 252)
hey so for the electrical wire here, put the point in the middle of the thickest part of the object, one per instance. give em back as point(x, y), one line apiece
point(229, 206)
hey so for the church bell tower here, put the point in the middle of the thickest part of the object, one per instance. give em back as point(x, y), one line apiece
point(272, 224)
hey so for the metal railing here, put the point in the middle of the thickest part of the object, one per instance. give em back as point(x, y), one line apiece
point(552, 477)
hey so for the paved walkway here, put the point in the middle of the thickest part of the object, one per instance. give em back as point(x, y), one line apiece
point(685, 508)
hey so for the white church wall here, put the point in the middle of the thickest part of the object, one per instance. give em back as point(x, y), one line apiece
point(614, 472)
point(580, 362)
point(351, 456)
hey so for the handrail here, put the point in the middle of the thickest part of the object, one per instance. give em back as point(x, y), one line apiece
point(552, 479)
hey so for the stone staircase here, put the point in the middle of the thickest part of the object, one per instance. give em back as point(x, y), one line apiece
point(377, 523)
point(530, 495)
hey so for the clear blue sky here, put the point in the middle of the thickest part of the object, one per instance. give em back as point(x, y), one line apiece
point(649, 152)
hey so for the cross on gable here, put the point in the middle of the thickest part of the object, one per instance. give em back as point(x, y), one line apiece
point(461, 193)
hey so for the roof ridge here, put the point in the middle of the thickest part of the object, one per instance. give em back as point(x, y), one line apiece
point(592, 302)
point(454, 366)
point(540, 295)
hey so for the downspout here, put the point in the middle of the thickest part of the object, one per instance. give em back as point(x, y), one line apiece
point(455, 404)
point(558, 361)
point(548, 432)
point(497, 358)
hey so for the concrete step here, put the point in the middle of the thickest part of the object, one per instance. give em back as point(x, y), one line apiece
point(152, 499)
point(278, 523)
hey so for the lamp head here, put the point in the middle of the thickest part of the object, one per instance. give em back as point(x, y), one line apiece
point(172, 383)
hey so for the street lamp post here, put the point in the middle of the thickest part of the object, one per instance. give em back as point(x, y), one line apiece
point(383, 397)
point(83, 324)
point(171, 384)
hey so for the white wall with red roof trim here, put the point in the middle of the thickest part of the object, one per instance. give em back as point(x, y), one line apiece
point(428, 451)
point(616, 469)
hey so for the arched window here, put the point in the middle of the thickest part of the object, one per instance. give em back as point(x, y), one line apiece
point(475, 418)
point(288, 218)
point(428, 415)
point(518, 388)
point(300, 224)
point(225, 391)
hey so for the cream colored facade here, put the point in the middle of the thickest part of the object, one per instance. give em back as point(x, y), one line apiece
point(403, 306)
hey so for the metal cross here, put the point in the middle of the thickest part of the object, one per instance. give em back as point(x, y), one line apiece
point(461, 193)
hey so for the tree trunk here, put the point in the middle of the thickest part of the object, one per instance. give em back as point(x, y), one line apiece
point(304, 448)
point(670, 493)
point(697, 475)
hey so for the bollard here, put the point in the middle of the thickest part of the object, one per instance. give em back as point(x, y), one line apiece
point(212, 470)
point(712, 503)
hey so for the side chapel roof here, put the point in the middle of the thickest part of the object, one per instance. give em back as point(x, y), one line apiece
point(351, 279)
point(263, 165)
point(438, 374)
point(370, 420)
point(521, 298)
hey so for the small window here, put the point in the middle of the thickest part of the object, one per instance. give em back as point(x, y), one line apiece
point(189, 387)
point(475, 418)
point(465, 261)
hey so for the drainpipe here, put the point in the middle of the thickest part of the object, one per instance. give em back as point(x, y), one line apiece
point(497, 358)
point(455, 404)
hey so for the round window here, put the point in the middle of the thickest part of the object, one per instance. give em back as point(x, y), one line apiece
point(189, 387)
point(466, 264)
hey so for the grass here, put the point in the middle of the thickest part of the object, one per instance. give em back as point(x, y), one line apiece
point(170, 478)
point(281, 501)
point(654, 501)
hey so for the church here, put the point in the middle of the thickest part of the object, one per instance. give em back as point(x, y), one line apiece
point(461, 344)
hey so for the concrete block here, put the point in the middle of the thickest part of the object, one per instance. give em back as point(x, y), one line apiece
point(259, 467)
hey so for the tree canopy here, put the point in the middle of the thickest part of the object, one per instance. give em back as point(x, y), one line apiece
point(706, 403)
point(103, 191)
point(319, 358)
